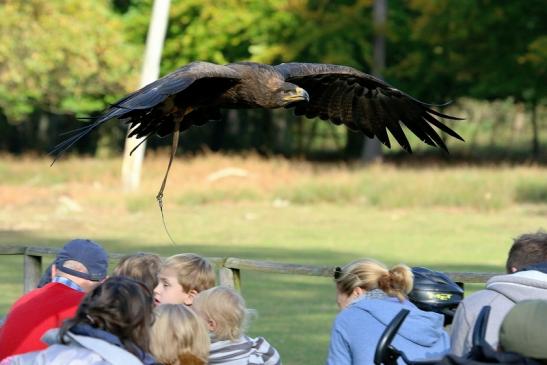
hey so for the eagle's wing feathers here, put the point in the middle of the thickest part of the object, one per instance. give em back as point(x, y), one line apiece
point(363, 102)
point(145, 109)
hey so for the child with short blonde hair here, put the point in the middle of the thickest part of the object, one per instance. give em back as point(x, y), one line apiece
point(182, 277)
point(178, 336)
point(226, 315)
point(141, 266)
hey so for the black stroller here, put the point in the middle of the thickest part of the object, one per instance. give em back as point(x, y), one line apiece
point(481, 352)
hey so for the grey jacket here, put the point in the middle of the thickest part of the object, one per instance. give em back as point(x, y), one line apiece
point(83, 350)
point(501, 293)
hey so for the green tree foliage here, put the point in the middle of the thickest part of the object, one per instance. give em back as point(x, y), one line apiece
point(63, 56)
point(71, 56)
point(224, 31)
point(268, 31)
point(484, 49)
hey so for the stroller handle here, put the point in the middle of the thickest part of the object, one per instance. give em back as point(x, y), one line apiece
point(385, 353)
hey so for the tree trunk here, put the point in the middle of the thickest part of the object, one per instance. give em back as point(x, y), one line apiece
point(132, 164)
point(535, 132)
point(372, 150)
point(355, 143)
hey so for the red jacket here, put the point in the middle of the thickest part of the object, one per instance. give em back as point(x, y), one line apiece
point(35, 313)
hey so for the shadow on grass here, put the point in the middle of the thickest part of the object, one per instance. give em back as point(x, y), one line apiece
point(293, 255)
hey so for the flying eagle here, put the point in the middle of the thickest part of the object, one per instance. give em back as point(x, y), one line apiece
point(194, 95)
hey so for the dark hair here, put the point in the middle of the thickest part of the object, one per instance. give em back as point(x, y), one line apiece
point(527, 249)
point(121, 306)
point(144, 267)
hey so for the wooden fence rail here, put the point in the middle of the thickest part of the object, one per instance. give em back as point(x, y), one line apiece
point(229, 268)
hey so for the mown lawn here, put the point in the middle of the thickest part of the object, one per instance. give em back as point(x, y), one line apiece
point(457, 218)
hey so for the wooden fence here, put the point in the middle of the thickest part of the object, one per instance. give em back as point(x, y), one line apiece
point(229, 268)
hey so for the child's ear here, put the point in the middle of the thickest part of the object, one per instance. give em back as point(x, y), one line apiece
point(191, 295)
point(211, 325)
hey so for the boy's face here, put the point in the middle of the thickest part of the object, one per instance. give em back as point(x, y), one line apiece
point(169, 291)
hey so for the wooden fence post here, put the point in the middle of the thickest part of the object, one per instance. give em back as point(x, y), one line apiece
point(230, 278)
point(32, 272)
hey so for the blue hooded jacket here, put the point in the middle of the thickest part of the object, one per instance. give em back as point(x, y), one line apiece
point(358, 328)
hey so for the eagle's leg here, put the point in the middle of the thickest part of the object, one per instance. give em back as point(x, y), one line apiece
point(174, 145)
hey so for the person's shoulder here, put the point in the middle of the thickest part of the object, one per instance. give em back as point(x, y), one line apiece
point(357, 313)
point(260, 342)
point(93, 346)
point(25, 300)
point(480, 298)
point(496, 293)
point(56, 354)
point(529, 277)
point(50, 289)
point(57, 293)
point(52, 297)
point(267, 352)
point(377, 305)
point(480, 295)
point(526, 278)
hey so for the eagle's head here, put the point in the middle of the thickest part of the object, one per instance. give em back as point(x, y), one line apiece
point(264, 87)
point(290, 94)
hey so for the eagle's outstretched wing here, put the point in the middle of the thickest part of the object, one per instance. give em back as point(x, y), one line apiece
point(364, 103)
point(152, 109)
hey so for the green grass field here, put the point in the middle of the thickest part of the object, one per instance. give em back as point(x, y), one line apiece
point(449, 218)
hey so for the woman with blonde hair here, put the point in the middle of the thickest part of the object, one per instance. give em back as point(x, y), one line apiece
point(369, 296)
point(179, 336)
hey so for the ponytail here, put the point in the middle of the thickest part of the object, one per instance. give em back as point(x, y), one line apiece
point(370, 274)
point(396, 282)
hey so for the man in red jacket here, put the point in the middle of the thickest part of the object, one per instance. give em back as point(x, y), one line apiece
point(79, 267)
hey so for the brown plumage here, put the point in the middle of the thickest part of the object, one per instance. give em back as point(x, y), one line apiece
point(195, 93)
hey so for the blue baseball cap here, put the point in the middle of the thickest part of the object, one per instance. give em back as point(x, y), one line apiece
point(88, 253)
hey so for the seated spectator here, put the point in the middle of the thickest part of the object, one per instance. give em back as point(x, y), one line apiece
point(370, 295)
point(79, 267)
point(144, 267)
point(182, 277)
point(523, 330)
point(526, 279)
point(111, 326)
point(179, 336)
point(225, 313)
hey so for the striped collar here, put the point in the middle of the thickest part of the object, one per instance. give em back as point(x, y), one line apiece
point(67, 282)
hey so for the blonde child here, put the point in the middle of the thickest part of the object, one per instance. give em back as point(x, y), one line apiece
point(179, 336)
point(182, 277)
point(141, 266)
point(224, 311)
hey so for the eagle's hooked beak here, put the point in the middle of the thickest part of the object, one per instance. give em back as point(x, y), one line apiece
point(296, 95)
